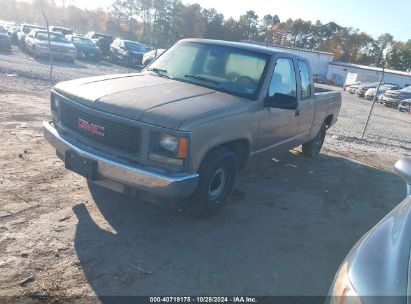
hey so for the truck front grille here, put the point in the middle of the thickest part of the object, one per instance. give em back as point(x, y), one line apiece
point(100, 131)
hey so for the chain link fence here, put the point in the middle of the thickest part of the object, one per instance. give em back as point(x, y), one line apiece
point(386, 126)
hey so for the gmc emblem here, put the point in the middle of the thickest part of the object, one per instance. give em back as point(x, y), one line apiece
point(89, 127)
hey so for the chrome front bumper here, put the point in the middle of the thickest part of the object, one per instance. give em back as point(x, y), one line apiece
point(114, 175)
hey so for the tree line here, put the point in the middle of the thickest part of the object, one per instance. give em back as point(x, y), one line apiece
point(160, 23)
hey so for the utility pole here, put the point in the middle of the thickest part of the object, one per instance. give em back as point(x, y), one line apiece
point(373, 102)
point(64, 12)
point(50, 51)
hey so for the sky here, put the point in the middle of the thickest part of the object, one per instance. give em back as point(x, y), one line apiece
point(374, 17)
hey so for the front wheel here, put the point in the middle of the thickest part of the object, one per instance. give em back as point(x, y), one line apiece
point(313, 147)
point(218, 174)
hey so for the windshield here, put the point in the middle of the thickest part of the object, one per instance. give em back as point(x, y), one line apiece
point(137, 47)
point(224, 68)
point(27, 29)
point(81, 40)
point(55, 37)
point(101, 36)
point(388, 87)
point(63, 31)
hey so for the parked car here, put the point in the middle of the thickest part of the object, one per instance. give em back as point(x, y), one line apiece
point(12, 29)
point(5, 41)
point(126, 52)
point(102, 41)
point(393, 98)
point(62, 30)
point(37, 43)
point(24, 30)
point(85, 47)
point(353, 88)
point(377, 268)
point(150, 56)
point(164, 131)
point(370, 94)
point(405, 106)
point(347, 85)
point(362, 88)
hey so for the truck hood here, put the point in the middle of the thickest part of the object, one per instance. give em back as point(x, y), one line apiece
point(151, 99)
point(379, 263)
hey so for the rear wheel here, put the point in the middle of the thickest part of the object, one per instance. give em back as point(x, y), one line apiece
point(313, 147)
point(218, 174)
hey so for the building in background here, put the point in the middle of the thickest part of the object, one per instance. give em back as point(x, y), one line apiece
point(338, 72)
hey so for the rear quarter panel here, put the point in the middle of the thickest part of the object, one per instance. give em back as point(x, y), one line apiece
point(326, 104)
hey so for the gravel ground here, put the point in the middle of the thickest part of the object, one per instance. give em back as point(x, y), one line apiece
point(387, 127)
point(287, 228)
point(20, 67)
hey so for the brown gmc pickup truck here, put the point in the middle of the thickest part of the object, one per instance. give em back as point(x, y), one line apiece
point(183, 127)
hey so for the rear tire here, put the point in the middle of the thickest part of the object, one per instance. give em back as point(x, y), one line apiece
point(218, 174)
point(313, 147)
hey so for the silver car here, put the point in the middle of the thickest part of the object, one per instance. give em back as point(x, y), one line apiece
point(370, 94)
point(37, 43)
point(378, 267)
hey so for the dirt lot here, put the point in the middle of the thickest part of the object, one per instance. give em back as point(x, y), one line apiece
point(287, 228)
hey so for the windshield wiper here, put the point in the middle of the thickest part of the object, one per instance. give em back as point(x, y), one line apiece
point(202, 78)
point(160, 72)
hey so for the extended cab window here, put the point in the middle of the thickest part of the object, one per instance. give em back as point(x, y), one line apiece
point(283, 80)
point(305, 80)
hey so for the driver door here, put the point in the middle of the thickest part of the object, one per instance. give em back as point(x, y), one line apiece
point(279, 127)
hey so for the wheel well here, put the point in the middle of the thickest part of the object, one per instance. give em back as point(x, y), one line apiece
point(328, 120)
point(240, 147)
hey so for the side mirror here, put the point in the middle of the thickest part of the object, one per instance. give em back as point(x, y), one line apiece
point(281, 101)
point(403, 169)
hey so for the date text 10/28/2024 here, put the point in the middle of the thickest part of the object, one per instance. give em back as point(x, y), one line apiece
point(203, 300)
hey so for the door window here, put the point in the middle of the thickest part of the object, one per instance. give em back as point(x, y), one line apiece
point(283, 80)
point(305, 80)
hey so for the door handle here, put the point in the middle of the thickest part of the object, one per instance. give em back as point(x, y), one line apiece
point(297, 113)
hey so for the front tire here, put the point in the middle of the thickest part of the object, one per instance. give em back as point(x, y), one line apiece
point(313, 147)
point(218, 174)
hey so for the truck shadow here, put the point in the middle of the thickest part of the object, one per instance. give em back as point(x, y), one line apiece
point(287, 228)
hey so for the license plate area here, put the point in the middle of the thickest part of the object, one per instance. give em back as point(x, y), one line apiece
point(81, 165)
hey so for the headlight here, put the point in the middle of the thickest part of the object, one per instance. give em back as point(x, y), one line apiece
point(169, 149)
point(54, 103)
point(168, 143)
point(343, 292)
